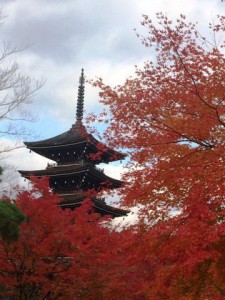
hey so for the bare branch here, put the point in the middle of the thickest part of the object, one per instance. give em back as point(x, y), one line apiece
point(16, 92)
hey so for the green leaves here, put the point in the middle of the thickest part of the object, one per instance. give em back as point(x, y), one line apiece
point(10, 219)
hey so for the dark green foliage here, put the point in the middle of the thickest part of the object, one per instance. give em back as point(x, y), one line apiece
point(1, 171)
point(10, 219)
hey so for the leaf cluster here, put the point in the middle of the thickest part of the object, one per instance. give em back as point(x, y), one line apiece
point(11, 218)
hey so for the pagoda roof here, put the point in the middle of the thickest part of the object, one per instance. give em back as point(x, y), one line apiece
point(74, 170)
point(100, 206)
point(74, 138)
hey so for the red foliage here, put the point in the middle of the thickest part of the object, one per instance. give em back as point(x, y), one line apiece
point(58, 253)
point(170, 118)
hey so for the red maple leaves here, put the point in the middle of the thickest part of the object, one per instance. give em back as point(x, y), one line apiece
point(170, 119)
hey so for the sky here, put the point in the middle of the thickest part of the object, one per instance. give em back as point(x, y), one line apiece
point(61, 37)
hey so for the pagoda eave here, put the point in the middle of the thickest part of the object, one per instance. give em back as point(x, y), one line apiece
point(71, 202)
point(75, 173)
point(69, 142)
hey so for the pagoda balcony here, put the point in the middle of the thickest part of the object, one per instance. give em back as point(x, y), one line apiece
point(80, 163)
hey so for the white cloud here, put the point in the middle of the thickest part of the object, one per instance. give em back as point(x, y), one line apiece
point(65, 36)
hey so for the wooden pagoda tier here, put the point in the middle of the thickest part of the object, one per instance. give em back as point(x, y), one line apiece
point(72, 201)
point(76, 154)
point(74, 177)
point(75, 145)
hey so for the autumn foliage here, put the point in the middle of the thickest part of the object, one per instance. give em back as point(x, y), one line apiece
point(170, 119)
point(58, 252)
point(64, 254)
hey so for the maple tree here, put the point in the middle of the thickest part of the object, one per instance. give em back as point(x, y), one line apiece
point(64, 254)
point(58, 253)
point(170, 119)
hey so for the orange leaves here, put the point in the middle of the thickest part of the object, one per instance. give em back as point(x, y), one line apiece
point(171, 115)
point(55, 247)
point(170, 119)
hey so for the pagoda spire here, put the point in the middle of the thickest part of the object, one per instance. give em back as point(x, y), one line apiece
point(80, 99)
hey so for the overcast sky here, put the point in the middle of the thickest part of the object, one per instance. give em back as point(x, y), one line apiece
point(67, 35)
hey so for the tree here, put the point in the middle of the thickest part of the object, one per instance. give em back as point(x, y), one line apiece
point(16, 93)
point(10, 219)
point(170, 118)
point(59, 254)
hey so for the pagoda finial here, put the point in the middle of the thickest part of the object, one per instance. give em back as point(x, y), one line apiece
point(80, 98)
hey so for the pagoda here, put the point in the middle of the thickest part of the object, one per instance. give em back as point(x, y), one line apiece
point(76, 154)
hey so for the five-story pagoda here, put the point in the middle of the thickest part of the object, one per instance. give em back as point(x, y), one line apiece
point(76, 154)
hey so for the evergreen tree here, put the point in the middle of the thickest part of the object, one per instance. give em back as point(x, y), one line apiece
point(10, 219)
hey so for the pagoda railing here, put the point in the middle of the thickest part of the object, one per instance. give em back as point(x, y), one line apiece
point(80, 163)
